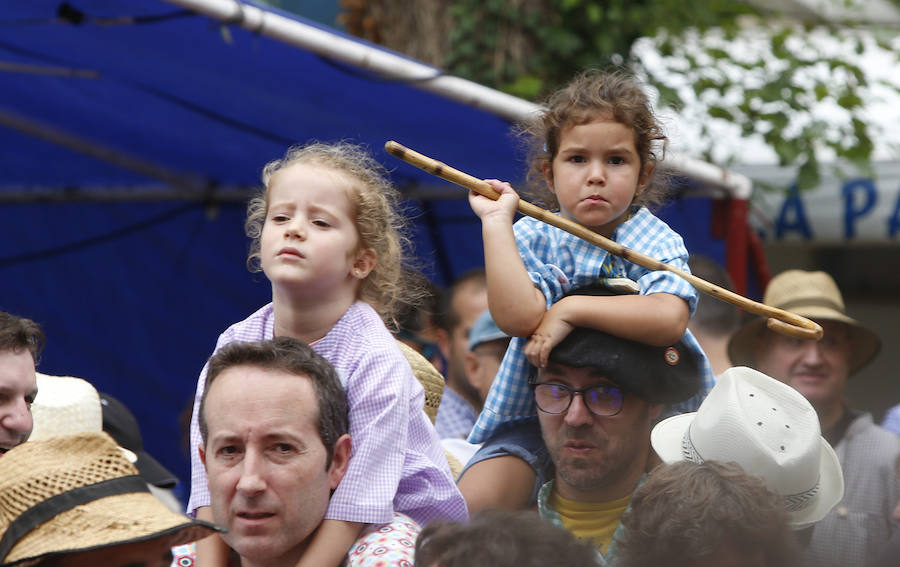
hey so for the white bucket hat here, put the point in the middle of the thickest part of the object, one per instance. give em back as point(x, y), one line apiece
point(66, 405)
point(767, 428)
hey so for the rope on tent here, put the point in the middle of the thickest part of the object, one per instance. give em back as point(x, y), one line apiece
point(116, 234)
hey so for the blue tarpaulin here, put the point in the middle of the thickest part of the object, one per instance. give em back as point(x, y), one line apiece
point(130, 135)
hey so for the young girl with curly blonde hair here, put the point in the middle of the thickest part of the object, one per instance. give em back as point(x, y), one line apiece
point(326, 232)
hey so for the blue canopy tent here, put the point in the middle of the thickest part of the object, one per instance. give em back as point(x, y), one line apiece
point(132, 132)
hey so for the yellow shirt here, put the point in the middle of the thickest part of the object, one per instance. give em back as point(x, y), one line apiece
point(594, 521)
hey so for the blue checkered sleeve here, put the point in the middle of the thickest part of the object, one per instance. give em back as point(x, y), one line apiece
point(535, 244)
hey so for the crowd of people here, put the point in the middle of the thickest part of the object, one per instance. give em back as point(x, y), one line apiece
point(585, 419)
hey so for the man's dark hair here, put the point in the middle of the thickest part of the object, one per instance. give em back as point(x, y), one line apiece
point(686, 511)
point(295, 357)
point(19, 333)
point(713, 315)
point(502, 538)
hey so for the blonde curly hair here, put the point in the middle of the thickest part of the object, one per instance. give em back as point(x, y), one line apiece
point(379, 223)
point(591, 95)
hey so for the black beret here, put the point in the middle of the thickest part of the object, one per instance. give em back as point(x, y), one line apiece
point(656, 374)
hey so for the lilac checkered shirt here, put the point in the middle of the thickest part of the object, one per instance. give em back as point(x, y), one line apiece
point(397, 463)
point(558, 262)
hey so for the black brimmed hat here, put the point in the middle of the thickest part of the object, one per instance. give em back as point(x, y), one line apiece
point(122, 426)
point(656, 374)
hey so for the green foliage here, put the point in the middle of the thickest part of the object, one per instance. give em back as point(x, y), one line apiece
point(783, 77)
point(562, 37)
point(531, 47)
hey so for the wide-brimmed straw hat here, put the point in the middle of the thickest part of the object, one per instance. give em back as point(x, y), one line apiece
point(770, 430)
point(79, 493)
point(816, 296)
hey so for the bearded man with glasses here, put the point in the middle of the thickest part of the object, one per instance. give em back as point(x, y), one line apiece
point(598, 398)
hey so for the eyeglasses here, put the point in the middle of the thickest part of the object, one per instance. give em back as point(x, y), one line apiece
point(553, 398)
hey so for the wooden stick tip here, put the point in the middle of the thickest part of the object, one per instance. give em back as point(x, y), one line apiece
point(811, 332)
point(394, 148)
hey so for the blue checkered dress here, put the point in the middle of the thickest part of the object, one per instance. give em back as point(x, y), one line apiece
point(558, 262)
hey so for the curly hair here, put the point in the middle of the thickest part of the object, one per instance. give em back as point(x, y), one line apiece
point(379, 223)
point(686, 511)
point(591, 95)
point(501, 538)
point(18, 334)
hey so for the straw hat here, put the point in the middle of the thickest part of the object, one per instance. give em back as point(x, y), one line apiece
point(811, 294)
point(79, 493)
point(770, 430)
point(428, 376)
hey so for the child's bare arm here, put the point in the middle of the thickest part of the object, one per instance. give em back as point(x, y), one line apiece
point(330, 543)
point(502, 482)
point(212, 551)
point(516, 305)
point(658, 319)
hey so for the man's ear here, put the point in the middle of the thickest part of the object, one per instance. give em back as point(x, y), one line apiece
point(442, 338)
point(471, 366)
point(364, 263)
point(202, 453)
point(471, 363)
point(547, 168)
point(340, 460)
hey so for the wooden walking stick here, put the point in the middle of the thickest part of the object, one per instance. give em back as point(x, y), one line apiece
point(778, 320)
